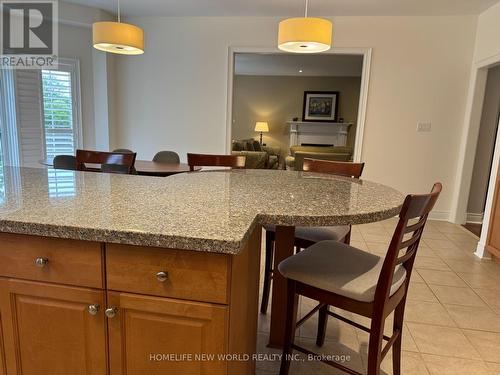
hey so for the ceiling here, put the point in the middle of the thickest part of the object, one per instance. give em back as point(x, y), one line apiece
point(324, 65)
point(285, 8)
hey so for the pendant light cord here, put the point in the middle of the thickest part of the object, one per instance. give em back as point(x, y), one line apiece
point(119, 18)
point(305, 13)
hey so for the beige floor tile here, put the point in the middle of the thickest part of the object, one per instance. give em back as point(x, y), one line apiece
point(455, 254)
point(447, 278)
point(430, 263)
point(479, 318)
point(467, 265)
point(444, 341)
point(421, 292)
point(457, 296)
point(408, 344)
point(440, 244)
point(480, 280)
point(381, 238)
point(495, 367)
point(490, 296)
point(427, 313)
point(486, 343)
point(346, 355)
point(424, 251)
point(454, 366)
point(411, 364)
point(415, 277)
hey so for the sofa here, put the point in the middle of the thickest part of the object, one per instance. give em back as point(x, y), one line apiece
point(295, 160)
point(257, 155)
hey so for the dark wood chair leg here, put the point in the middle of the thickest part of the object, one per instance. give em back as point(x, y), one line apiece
point(291, 320)
point(396, 347)
point(347, 238)
point(266, 290)
point(322, 324)
point(375, 346)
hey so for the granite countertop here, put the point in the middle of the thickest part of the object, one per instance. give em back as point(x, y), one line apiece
point(206, 211)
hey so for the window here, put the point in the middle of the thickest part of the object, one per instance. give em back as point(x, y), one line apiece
point(47, 116)
point(61, 120)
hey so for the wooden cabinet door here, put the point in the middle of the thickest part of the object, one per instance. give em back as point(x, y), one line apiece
point(48, 330)
point(3, 370)
point(155, 335)
point(493, 241)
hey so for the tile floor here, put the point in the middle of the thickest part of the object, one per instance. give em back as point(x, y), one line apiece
point(452, 319)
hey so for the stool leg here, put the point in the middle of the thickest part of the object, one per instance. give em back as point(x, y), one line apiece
point(266, 290)
point(322, 324)
point(396, 347)
point(347, 238)
point(290, 326)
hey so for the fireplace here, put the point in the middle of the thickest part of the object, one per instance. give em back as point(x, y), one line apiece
point(322, 134)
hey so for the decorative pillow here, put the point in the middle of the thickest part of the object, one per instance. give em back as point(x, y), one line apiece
point(249, 146)
point(257, 146)
point(238, 146)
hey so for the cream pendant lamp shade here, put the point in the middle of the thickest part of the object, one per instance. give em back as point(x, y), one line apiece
point(118, 37)
point(305, 34)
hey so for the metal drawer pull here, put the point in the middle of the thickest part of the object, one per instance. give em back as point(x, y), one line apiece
point(93, 309)
point(111, 312)
point(162, 276)
point(41, 262)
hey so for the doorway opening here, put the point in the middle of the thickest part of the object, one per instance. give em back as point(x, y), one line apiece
point(279, 103)
point(485, 149)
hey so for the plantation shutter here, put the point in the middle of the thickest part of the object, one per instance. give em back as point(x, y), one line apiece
point(58, 113)
point(29, 117)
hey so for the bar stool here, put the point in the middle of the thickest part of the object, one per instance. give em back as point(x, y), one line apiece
point(339, 275)
point(307, 236)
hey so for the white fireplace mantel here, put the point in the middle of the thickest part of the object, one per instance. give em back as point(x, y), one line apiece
point(324, 133)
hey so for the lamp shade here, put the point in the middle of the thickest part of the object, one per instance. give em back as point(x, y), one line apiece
point(261, 126)
point(118, 37)
point(305, 35)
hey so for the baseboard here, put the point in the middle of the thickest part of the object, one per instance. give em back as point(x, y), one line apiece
point(440, 215)
point(475, 218)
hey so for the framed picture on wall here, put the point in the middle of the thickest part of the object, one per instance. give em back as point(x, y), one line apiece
point(320, 106)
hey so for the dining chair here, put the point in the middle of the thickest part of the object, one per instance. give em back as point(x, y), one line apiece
point(110, 162)
point(336, 274)
point(64, 162)
point(204, 160)
point(123, 151)
point(169, 157)
point(307, 236)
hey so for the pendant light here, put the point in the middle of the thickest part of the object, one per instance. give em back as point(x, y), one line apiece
point(305, 34)
point(118, 37)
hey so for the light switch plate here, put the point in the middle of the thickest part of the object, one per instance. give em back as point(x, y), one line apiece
point(424, 127)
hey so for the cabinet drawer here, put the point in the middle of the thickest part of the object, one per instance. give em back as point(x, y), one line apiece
point(189, 275)
point(67, 261)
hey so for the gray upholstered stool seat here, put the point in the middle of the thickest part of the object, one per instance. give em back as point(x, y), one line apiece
point(316, 234)
point(341, 269)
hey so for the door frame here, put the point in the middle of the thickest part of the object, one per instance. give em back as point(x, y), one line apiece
point(363, 94)
point(468, 146)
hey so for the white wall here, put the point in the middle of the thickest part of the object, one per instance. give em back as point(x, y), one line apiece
point(174, 96)
point(488, 31)
point(75, 41)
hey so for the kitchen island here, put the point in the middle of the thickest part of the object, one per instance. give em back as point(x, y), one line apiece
point(118, 274)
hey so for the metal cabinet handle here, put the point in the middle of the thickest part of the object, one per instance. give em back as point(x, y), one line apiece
point(41, 262)
point(162, 276)
point(110, 312)
point(93, 309)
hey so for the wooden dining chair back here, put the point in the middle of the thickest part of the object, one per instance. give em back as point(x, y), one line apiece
point(339, 168)
point(110, 162)
point(170, 157)
point(389, 295)
point(204, 160)
point(67, 162)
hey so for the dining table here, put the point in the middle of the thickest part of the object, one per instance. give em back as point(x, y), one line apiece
point(146, 167)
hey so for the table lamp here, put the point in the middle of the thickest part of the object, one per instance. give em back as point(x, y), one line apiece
point(262, 127)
